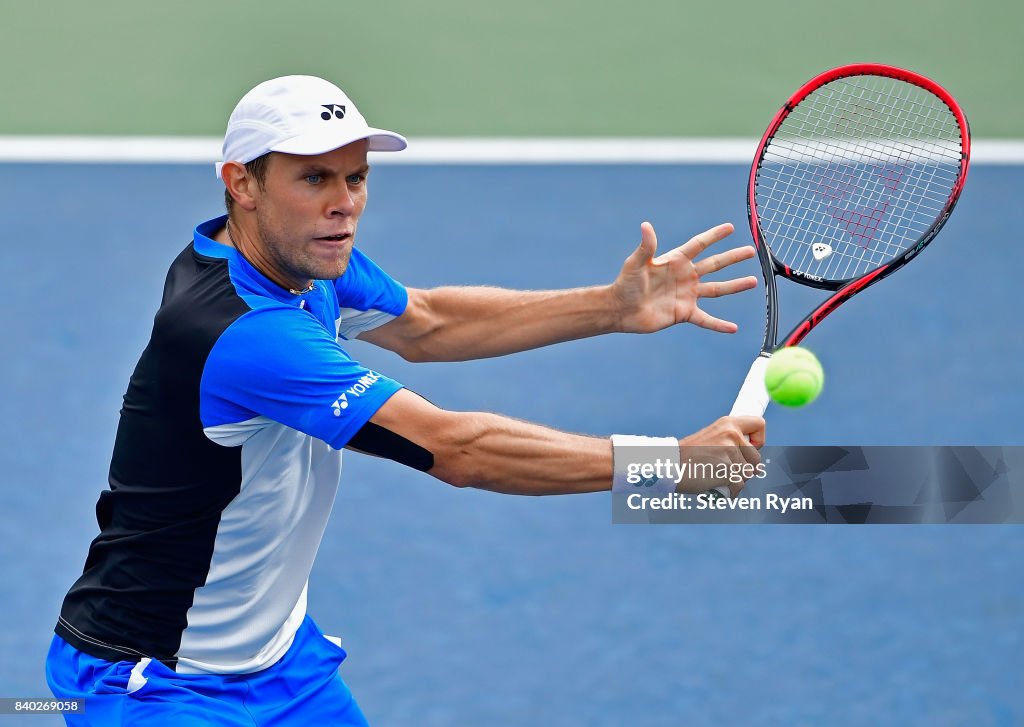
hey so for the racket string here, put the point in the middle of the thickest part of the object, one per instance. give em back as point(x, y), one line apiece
point(802, 230)
point(863, 166)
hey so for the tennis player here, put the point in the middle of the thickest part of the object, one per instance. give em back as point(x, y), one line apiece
point(191, 609)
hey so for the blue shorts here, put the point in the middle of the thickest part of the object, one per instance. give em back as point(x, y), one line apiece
point(302, 688)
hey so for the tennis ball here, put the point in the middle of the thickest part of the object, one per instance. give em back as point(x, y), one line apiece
point(794, 376)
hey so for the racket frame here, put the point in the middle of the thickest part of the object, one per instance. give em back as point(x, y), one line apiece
point(843, 289)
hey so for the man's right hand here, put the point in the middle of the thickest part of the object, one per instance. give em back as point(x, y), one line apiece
point(730, 440)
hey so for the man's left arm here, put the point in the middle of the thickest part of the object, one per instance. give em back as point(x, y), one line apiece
point(649, 294)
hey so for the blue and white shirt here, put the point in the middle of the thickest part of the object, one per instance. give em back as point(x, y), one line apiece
point(226, 463)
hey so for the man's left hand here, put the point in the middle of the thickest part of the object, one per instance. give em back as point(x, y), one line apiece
point(656, 292)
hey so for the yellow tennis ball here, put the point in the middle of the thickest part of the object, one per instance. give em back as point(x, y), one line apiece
point(794, 376)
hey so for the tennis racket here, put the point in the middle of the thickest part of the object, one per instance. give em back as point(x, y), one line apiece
point(856, 174)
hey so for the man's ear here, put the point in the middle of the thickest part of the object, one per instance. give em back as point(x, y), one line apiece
point(240, 185)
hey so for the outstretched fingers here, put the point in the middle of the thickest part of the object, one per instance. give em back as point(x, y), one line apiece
point(701, 242)
point(716, 289)
point(644, 252)
point(705, 320)
point(722, 260)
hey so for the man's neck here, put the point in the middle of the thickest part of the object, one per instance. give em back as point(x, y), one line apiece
point(232, 236)
point(221, 236)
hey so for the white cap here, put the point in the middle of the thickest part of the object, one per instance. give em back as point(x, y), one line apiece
point(298, 115)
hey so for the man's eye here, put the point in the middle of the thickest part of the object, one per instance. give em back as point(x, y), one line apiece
point(314, 179)
point(355, 178)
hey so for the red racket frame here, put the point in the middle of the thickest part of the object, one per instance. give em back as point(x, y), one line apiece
point(844, 289)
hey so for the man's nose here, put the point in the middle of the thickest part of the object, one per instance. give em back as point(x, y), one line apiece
point(342, 201)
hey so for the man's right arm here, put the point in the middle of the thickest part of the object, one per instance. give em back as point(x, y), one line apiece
point(500, 454)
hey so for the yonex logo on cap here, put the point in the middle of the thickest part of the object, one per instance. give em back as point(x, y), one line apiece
point(338, 110)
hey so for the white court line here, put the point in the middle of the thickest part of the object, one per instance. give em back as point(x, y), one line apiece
point(437, 150)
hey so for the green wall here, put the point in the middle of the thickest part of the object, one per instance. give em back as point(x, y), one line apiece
point(452, 67)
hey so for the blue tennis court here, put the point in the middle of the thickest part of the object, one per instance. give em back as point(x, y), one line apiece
point(462, 607)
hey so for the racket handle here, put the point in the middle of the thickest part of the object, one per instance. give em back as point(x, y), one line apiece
point(751, 401)
point(753, 398)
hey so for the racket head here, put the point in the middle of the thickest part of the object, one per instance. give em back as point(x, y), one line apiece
point(854, 176)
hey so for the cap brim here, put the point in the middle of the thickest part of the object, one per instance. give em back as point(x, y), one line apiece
point(328, 140)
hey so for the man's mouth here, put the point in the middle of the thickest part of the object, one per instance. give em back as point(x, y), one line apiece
point(335, 238)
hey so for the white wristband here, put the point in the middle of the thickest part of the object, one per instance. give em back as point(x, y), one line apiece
point(644, 464)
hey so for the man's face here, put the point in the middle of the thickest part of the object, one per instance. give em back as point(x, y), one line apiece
point(308, 210)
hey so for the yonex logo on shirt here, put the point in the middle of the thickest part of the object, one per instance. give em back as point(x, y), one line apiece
point(356, 390)
point(337, 109)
